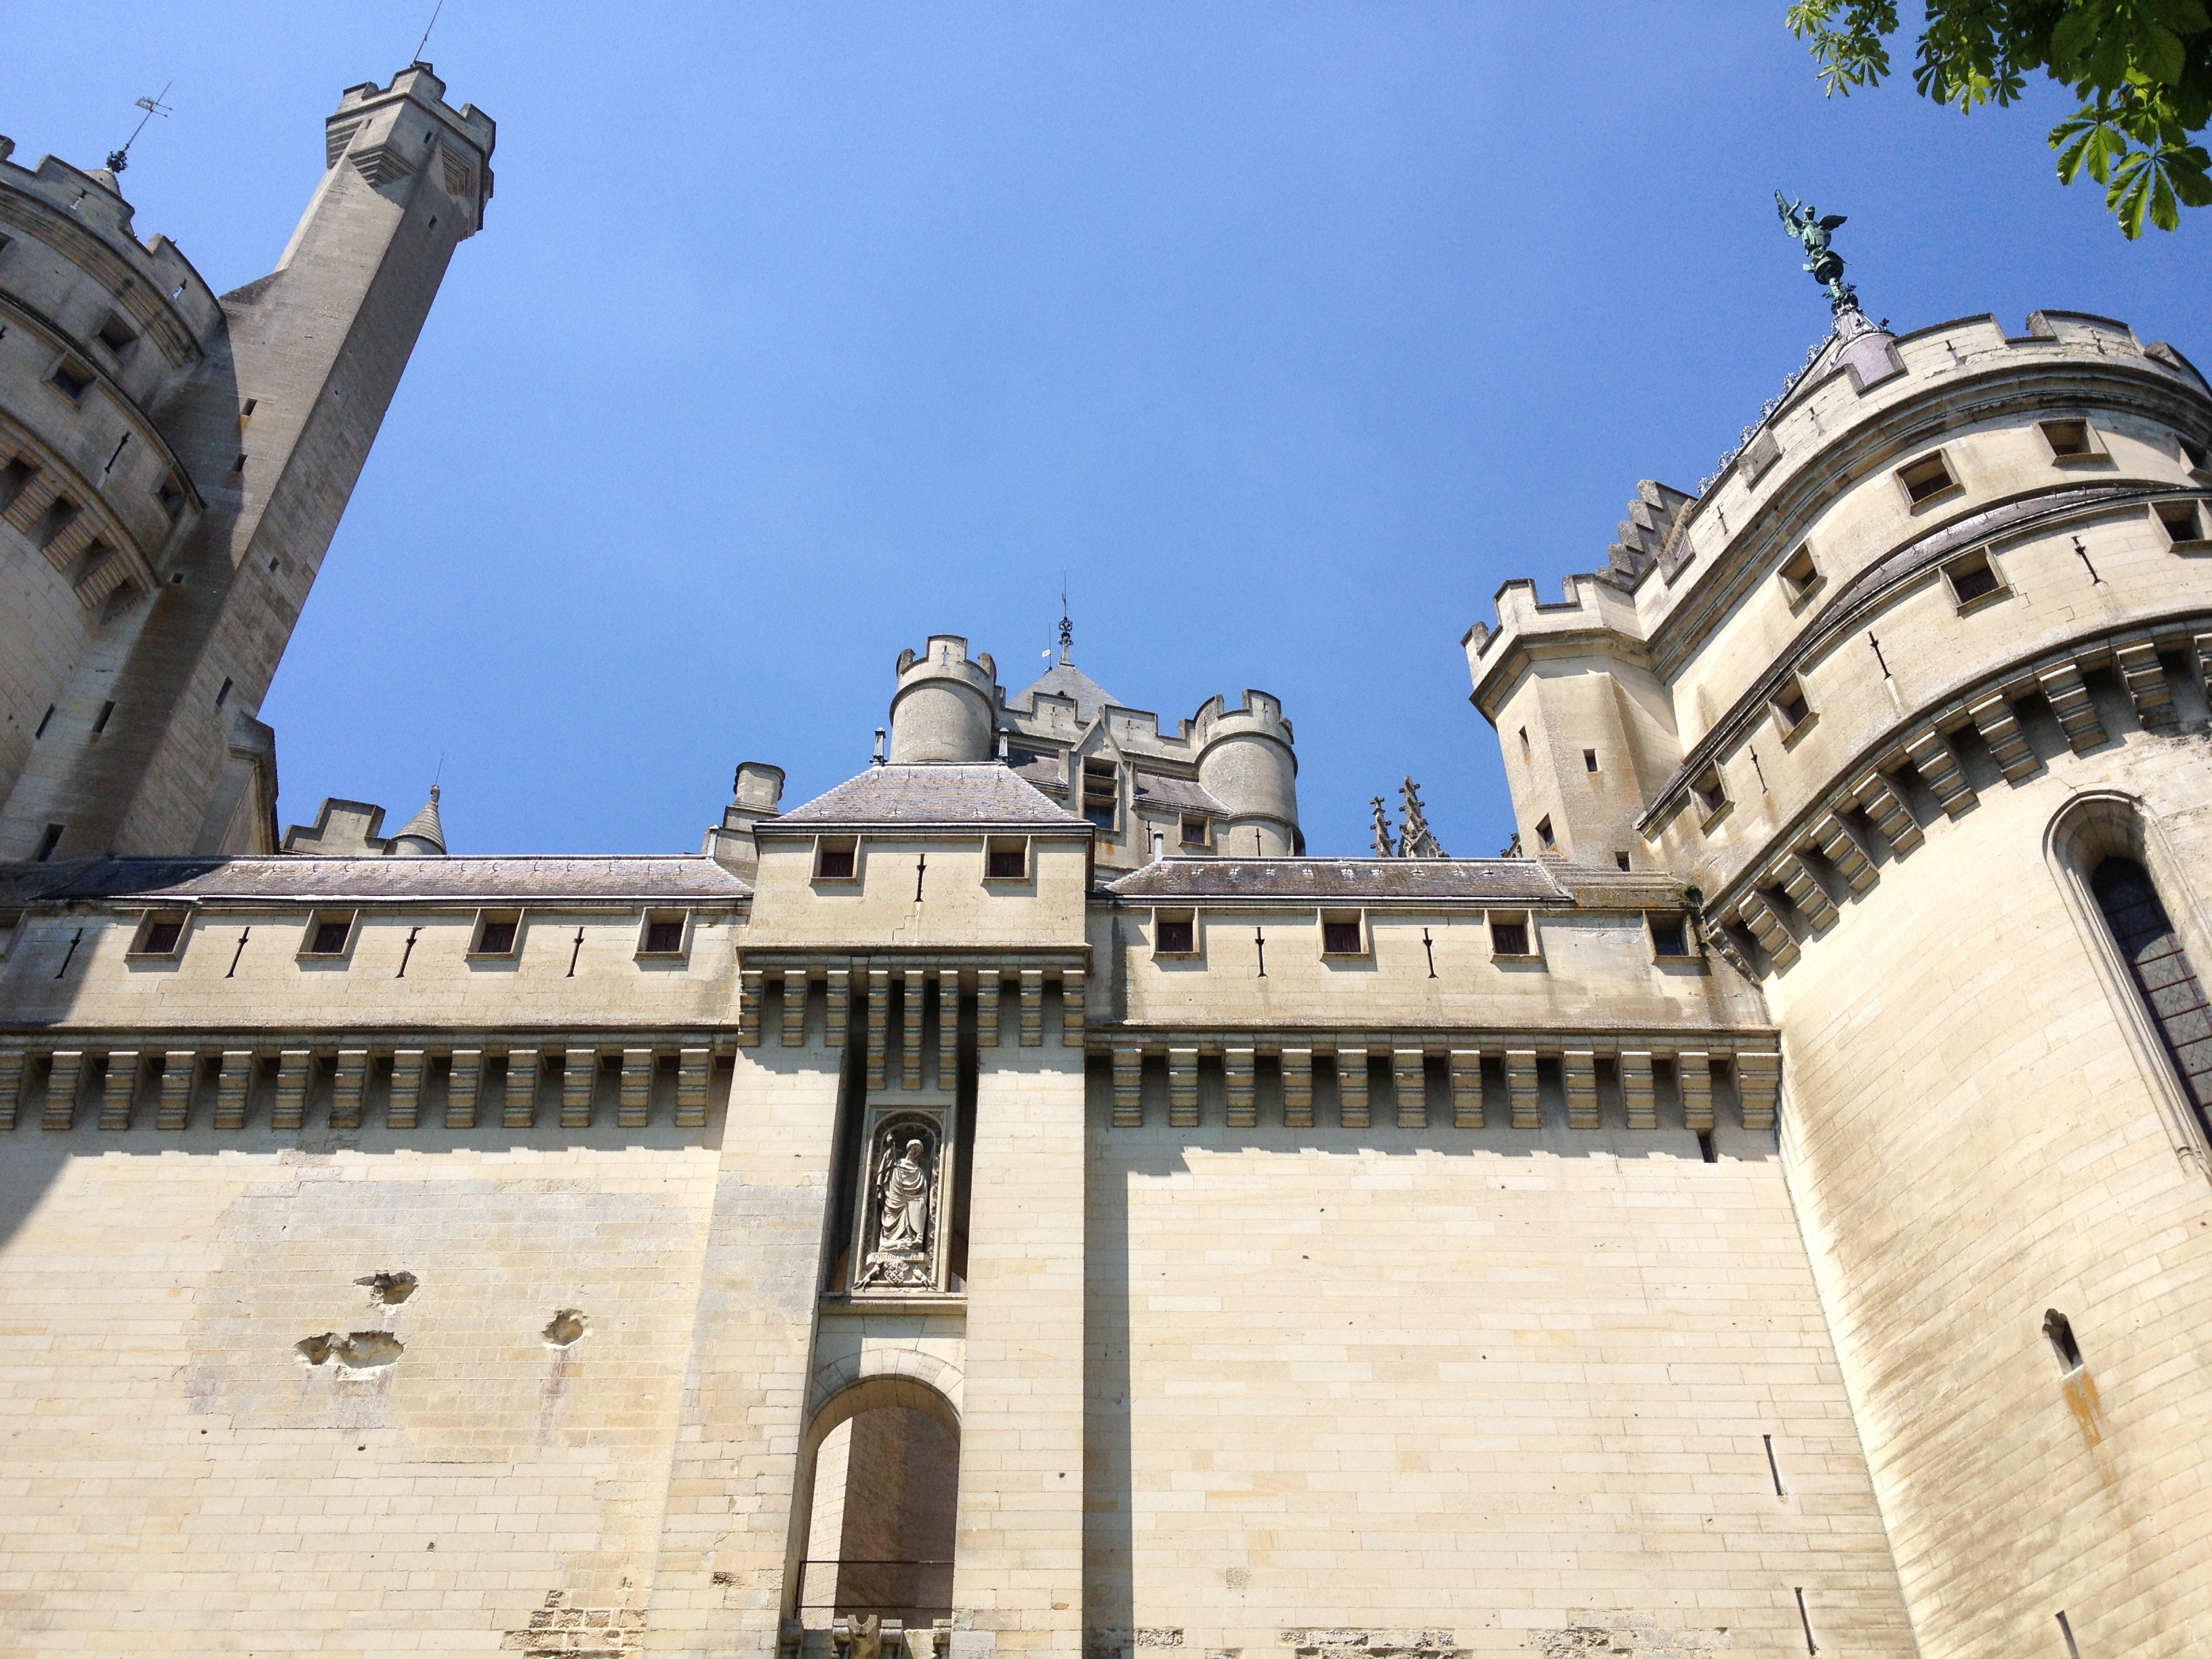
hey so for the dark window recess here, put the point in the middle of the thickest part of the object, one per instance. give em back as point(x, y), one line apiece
point(1620, 860)
point(161, 936)
point(2195, 455)
point(2179, 520)
point(836, 864)
point(1510, 938)
point(1176, 938)
point(1194, 832)
point(246, 414)
point(1099, 793)
point(47, 842)
point(1009, 863)
point(72, 382)
point(664, 936)
point(1799, 572)
point(2067, 437)
point(1925, 480)
point(1590, 760)
point(2162, 971)
point(171, 494)
point(116, 335)
point(100, 725)
point(497, 938)
point(330, 938)
point(1791, 704)
point(1341, 939)
point(1524, 740)
point(1669, 936)
point(1706, 1150)
point(1544, 836)
point(2060, 1330)
point(1972, 578)
point(13, 477)
point(1712, 793)
point(223, 696)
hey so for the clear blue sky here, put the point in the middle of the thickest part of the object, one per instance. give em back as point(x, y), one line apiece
point(796, 331)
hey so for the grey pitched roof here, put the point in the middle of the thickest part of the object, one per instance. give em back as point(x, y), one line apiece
point(930, 792)
point(1065, 679)
point(1505, 881)
point(676, 878)
point(1165, 790)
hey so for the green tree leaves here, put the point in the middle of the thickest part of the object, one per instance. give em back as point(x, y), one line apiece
point(2142, 67)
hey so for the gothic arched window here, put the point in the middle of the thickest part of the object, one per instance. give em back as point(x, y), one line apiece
point(2162, 971)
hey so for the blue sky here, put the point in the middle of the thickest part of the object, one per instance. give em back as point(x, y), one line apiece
point(797, 332)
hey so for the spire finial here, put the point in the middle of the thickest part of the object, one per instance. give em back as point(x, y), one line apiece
point(1823, 264)
point(1067, 625)
point(119, 159)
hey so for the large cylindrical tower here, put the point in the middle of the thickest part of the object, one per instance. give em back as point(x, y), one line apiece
point(1934, 643)
point(945, 708)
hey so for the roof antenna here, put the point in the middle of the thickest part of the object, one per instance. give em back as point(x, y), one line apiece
point(422, 44)
point(119, 159)
point(1067, 625)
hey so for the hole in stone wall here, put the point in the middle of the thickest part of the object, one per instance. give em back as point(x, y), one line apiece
point(316, 1349)
point(564, 1328)
point(368, 1349)
point(389, 1288)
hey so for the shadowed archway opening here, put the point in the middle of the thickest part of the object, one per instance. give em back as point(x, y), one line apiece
point(880, 1540)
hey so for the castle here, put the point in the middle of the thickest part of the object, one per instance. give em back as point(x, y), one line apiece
point(1020, 1201)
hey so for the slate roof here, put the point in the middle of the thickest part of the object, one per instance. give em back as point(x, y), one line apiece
point(1165, 790)
point(931, 792)
point(1505, 881)
point(651, 878)
point(1065, 679)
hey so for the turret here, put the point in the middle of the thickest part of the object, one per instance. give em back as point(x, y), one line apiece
point(1246, 761)
point(947, 705)
point(757, 794)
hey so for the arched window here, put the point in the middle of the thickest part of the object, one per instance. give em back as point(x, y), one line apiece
point(2153, 950)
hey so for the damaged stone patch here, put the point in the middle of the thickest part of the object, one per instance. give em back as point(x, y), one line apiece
point(358, 1351)
point(389, 1290)
point(559, 1632)
point(1313, 1643)
point(565, 1328)
point(1628, 1635)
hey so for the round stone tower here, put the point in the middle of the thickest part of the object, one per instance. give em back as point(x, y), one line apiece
point(947, 705)
point(1246, 761)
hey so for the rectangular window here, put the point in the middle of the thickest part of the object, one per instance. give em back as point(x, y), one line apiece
point(1710, 791)
point(1590, 760)
point(1791, 708)
point(1194, 831)
point(836, 858)
point(2195, 455)
point(1670, 935)
point(1509, 934)
point(1341, 934)
point(171, 494)
point(329, 932)
point(2070, 441)
point(118, 336)
point(1972, 578)
point(13, 476)
point(1545, 838)
point(223, 695)
point(71, 380)
point(1175, 932)
point(664, 934)
point(1006, 858)
point(496, 933)
point(160, 933)
point(1927, 480)
point(2182, 522)
point(1100, 791)
point(1620, 860)
point(1799, 575)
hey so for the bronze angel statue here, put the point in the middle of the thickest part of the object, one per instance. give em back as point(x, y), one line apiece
point(1823, 263)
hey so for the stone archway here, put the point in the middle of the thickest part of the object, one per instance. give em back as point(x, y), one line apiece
point(883, 1463)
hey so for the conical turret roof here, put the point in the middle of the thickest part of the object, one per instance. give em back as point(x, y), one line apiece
point(425, 827)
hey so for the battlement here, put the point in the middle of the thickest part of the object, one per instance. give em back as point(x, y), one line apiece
point(389, 132)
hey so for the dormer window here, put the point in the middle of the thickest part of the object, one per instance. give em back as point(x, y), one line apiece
point(1100, 791)
point(160, 934)
point(497, 932)
point(1509, 934)
point(1196, 831)
point(662, 933)
point(835, 857)
point(1342, 933)
point(1006, 858)
point(329, 934)
point(1175, 932)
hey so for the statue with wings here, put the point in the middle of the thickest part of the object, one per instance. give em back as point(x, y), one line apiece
point(1823, 263)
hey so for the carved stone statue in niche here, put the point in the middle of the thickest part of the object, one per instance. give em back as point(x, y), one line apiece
point(899, 1225)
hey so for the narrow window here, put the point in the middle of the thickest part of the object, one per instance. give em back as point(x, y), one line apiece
point(1339, 933)
point(1509, 934)
point(223, 696)
point(1590, 760)
point(834, 857)
point(2069, 439)
point(245, 414)
point(1545, 838)
point(71, 380)
point(47, 842)
point(2194, 453)
point(1799, 575)
point(171, 494)
point(2181, 521)
point(1620, 860)
point(1524, 743)
point(1175, 933)
point(1972, 578)
point(117, 335)
point(2060, 1330)
point(1710, 791)
point(1927, 480)
point(2162, 970)
point(44, 721)
point(1101, 793)
point(1006, 858)
point(1194, 832)
point(1670, 936)
point(1791, 710)
point(100, 725)
point(1706, 1150)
